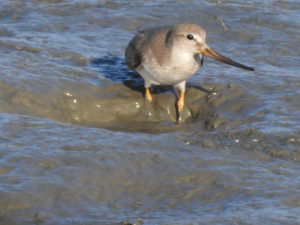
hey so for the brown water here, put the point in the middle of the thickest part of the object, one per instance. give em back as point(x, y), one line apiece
point(79, 145)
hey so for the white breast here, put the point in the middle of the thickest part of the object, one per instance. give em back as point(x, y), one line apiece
point(184, 64)
point(180, 67)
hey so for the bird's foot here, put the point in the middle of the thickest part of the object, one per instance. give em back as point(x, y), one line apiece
point(148, 95)
point(180, 105)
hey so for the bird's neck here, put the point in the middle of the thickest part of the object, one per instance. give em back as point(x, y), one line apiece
point(181, 57)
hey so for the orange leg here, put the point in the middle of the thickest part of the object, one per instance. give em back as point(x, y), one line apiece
point(148, 94)
point(180, 102)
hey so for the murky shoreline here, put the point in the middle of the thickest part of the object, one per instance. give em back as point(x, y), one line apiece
point(79, 145)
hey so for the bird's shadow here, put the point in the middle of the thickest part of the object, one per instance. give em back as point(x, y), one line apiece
point(114, 68)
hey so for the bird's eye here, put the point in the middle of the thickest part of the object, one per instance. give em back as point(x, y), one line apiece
point(190, 37)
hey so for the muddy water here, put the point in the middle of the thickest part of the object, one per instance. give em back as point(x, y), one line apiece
point(79, 145)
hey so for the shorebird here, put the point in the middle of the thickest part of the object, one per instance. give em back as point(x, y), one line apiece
point(170, 55)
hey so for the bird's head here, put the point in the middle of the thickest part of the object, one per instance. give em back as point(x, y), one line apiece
point(191, 38)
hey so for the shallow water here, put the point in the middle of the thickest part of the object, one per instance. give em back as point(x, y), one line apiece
point(79, 145)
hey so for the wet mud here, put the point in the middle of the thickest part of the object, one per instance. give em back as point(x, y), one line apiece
point(79, 144)
point(116, 106)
